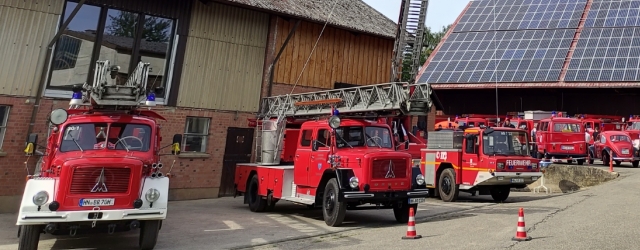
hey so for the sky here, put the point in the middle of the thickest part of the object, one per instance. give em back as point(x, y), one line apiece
point(439, 12)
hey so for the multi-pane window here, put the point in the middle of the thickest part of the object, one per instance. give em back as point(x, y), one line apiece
point(4, 116)
point(124, 38)
point(196, 133)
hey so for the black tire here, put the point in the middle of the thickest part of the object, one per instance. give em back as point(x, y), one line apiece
point(333, 211)
point(149, 231)
point(580, 162)
point(256, 203)
point(635, 164)
point(605, 158)
point(569, 161)
point(401, 211)
point(433, 193)
point(447, 186)
point(618, 163)
point(29, 237)
point(500, 194)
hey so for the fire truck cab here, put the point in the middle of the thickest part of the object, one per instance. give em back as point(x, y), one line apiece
point(100, 169)
point(486, 160)
point(341, 161)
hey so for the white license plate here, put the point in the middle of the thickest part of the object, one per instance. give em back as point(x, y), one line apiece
point(625, 151)
point(97, 202)
point(517, 180)
point(567, 147)
point(416, 200)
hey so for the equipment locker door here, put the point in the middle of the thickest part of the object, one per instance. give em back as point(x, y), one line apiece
point(301, 160)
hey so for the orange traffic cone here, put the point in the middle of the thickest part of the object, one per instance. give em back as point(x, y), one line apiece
point(411, 230)
point(521, 233)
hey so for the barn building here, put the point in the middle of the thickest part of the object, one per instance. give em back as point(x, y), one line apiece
point(579, 56)
point(215, 58)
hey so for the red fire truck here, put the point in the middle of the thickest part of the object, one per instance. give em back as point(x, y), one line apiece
point(100, 169)
point(337, 163)
point(561, 138)
point(486, 160)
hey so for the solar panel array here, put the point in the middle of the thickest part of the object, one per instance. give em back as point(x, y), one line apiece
point(486, 15)
point(613, 13)
point(503, 56)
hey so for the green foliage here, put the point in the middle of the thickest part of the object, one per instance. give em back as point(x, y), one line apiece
point(124, 24)
point(431, 40)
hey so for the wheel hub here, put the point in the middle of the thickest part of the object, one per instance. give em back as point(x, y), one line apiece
point(329, 201)
point(445, 185)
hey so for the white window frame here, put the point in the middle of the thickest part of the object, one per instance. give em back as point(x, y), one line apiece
point(3, 128)
point(205, 136)
point(66, 94)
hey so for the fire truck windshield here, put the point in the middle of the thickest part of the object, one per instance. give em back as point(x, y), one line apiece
point(633, 126)
point(115, 136)
point(506, 143)
point(352, 136)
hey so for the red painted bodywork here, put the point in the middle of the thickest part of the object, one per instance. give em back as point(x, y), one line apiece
point(64, 166)
point(632, 127)
point(621, 141)
point(309, 166)
point(561, 145)
point(467, 166)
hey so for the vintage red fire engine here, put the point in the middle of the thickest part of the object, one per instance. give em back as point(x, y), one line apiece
point(337, 163)
point(489, 161)
point(100, 168)
point(616, 145)
point(559, 138)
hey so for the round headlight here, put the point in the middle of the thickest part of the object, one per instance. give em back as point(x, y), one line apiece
point(41, 198)
point(353, 182)
point(420, 179)
point(334, 122)
point(152, 195)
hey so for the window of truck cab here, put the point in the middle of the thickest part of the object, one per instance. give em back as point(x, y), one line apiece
point(506, 143)
point(360, 136)
point(112, 136)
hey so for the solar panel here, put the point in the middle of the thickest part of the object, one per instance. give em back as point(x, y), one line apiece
point(484, 15)
point(613, 13)
point(503, 56)
point(606, 54)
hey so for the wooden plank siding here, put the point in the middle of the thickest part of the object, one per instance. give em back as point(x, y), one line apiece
point(224, 58)
point(340, 56)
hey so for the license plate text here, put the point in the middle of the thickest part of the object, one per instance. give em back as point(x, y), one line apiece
point(97, 202)
point(517, 180)
point(416, 200)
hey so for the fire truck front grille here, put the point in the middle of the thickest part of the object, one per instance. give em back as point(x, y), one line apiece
point(100, 180)
point(389, 169)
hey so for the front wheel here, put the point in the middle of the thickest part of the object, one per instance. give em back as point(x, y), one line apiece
point(500, 194)
point(591, 159)
point(401, 211)
point(333, 210)
point(448, 188)
point(605, 158)
point(149, 231)
point(256, 203)
point(29, 237)
point(634, 164)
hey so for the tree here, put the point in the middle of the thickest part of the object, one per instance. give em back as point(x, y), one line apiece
point(431, 40)
point(124, 24)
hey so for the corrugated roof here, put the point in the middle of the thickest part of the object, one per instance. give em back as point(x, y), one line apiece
point(350, 14)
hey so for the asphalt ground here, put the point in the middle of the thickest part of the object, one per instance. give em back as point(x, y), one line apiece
point(473, 222)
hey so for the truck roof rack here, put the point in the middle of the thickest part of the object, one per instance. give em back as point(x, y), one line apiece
point(394, 98)
point(104, 94)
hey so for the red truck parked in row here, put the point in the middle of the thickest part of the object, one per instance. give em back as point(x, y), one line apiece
point(486, 160)
point(337, 155)
point(561, 138)
point(100, 169)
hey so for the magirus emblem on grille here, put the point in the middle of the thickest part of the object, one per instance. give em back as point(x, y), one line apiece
point(390, 173)
point(100, 186)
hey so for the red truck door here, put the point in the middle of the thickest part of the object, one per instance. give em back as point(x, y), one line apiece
point(470, 155)
point(302, 159)
point(319, 158)
point(542, 134)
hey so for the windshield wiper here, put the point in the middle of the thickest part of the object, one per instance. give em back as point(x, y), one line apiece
point(77, 144)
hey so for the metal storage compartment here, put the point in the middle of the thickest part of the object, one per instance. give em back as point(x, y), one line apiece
point(445, 139)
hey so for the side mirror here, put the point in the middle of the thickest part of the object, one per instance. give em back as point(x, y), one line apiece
point(314, 145)
point(177, 139)
point(31, 143)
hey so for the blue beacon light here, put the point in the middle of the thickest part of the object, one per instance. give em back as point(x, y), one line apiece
point(151, 99)
point(76, 98)
point(336, 112)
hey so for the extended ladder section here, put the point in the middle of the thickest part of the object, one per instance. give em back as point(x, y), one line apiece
point(409, 37)
point(381, 99)
point(106, 93)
